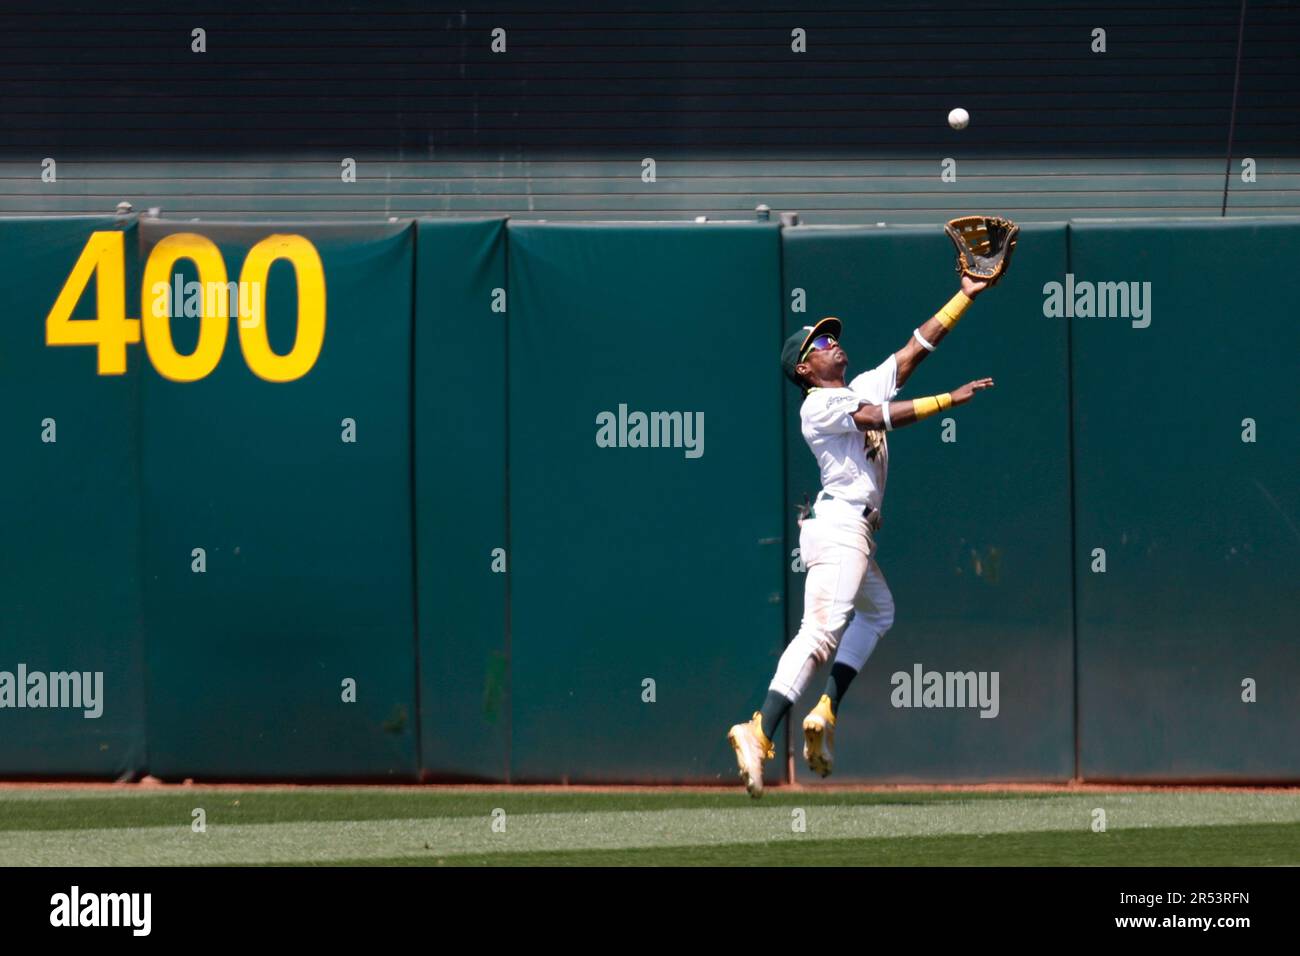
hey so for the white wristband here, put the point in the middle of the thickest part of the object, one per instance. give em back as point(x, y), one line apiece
point(916, 334)
point(884, 410)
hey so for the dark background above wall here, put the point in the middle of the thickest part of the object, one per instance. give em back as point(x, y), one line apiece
point(556, 127)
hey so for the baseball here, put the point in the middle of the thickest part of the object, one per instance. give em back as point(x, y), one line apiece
point(959, 118)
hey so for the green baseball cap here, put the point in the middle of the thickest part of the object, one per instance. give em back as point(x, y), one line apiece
point(796, 343)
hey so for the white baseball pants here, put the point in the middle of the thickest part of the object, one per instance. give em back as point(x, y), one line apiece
point(847, 604)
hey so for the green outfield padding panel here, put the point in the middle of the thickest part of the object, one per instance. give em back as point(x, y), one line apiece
point(307, 537)
point(1200, 529)
point(70, 523)
point(631, 563)
point(460, 497)
point(975, 541)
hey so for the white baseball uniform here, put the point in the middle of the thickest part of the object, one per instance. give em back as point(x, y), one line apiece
point(845, 595)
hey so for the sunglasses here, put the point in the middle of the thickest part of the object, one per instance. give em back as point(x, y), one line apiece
point(820, 342)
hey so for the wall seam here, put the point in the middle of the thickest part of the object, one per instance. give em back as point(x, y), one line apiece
point(509, 540)
point(413, 474)
point(1074, 531)
point(142, 555)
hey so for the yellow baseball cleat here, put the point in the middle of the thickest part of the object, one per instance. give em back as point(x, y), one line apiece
point(751, 747)
point(819, 737)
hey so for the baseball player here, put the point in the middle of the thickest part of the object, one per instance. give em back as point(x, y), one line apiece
point(847, 604)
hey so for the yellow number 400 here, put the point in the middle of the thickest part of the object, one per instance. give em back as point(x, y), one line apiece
point(111, 331)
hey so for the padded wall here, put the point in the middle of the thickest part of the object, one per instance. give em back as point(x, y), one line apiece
point(630, 563)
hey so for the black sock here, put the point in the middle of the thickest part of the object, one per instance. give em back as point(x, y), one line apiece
point(774, 708)
point(841, 676)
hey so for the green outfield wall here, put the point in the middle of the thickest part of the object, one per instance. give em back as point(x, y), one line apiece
point(1187, 476)
point(460, 498)
point(634, 563)
point(70, 548)
point(307, 527)
point(479, 500)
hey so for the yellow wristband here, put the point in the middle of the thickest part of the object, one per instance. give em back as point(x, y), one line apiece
point(925, 407)
point(952, 311)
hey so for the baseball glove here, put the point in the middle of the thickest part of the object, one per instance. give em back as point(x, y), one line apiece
point(984, 246)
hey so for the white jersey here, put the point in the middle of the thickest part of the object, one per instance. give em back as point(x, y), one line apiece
point(853, 463)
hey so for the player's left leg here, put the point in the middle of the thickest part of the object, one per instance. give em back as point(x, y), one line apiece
point(836, 558)
point(873, 615)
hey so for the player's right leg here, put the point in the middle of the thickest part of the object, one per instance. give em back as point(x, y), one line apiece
point(835, 571)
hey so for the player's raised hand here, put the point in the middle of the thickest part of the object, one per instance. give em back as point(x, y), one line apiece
point(972, 287)
point(964, 394)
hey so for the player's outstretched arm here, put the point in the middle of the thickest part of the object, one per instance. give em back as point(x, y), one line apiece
point(893, 415)
point(932, 331)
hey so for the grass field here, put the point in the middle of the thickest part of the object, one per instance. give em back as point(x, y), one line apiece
point(132, 826)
